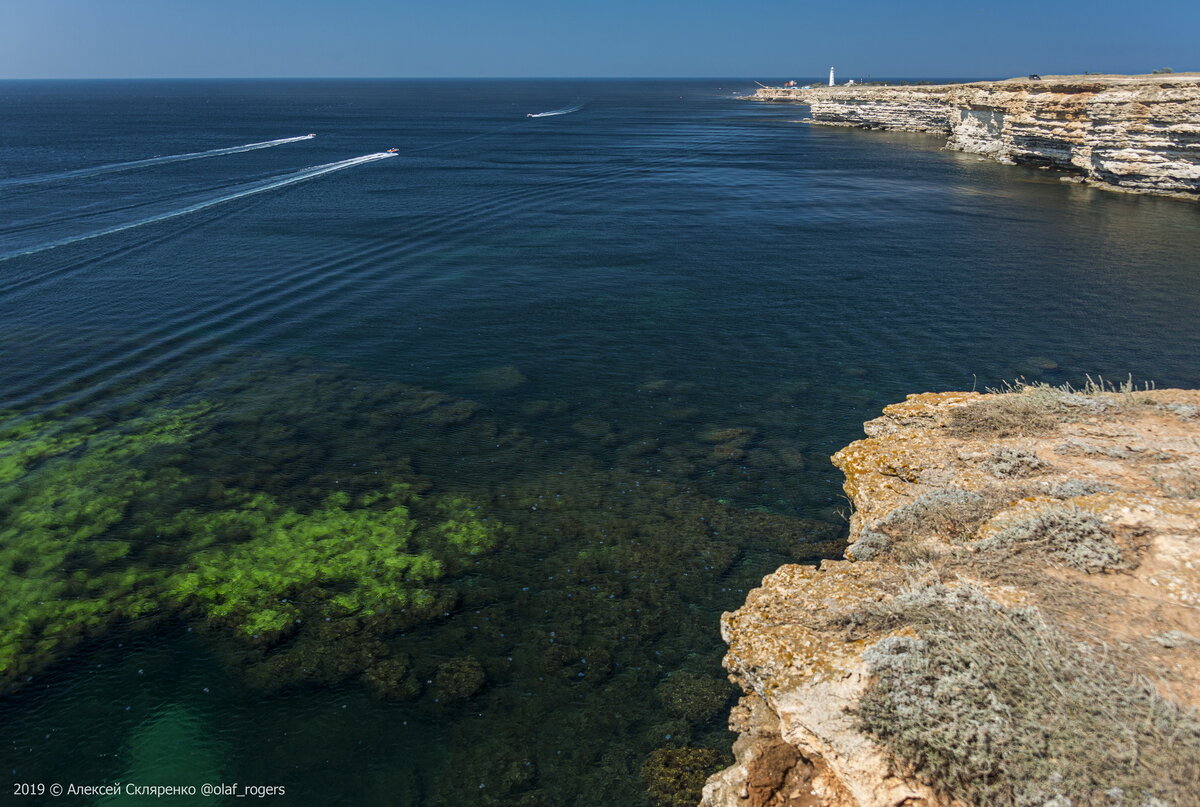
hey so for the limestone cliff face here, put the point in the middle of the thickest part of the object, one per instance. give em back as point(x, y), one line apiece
point(1131, 133)
point(1021, 589)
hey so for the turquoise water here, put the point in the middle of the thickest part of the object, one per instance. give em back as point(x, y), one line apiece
point(629, 336)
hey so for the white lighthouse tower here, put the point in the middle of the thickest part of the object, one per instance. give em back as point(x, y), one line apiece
point(831, 77)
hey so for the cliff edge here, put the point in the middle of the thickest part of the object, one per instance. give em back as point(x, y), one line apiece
point(1131, 133)
point(1016, 621)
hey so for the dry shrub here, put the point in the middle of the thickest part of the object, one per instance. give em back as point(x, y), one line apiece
point(1006, 461)
point(1030, 410)
point(1026, 414)
point(1068, 534)
point(996, 707)
point(950, 513)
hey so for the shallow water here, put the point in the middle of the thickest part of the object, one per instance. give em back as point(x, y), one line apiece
point(631, 334)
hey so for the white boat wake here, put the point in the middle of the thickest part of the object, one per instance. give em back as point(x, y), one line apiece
point(113, 168)
point(567, 110)
point(247, 190)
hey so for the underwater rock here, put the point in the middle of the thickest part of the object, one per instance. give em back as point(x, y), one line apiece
point(674, 776)
point(727, 452)
point(539, 408)
point(657, 385)
point(738, 437)
point(362, 555)
point(392, 679)
point(499, 379)
point(696, 698)
point(310, 661)
point(459, 679)
point(453, 413)
point(627, 564)
point(592, 665)
point(788, 456)
point(594, 428)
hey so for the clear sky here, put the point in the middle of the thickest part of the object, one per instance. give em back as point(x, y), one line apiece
point(501, 38)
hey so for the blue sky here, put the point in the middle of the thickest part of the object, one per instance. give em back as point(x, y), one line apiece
point(752, 38)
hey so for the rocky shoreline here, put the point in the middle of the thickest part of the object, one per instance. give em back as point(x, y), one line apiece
point(1138, 134)
point(1015, 621)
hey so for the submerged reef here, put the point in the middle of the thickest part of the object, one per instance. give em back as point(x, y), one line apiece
point(66, 485)
point(1014, 624)
point(507, 584)
point(263, 567)
point(97, 530)
point(674, 776)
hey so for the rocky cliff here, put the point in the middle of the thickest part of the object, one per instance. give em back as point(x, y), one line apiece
point(1131, 133)
point(1016, 620)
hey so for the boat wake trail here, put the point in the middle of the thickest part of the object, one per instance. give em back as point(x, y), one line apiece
point(246, 190)
point(567, 110)
point(113, 168)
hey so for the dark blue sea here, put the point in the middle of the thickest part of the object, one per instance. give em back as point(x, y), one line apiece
point(611, 348)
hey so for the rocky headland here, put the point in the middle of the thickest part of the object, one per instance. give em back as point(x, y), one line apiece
point(1016, 620)
point(1131, 133)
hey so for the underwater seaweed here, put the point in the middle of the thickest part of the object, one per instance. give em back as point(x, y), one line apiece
point(94, 531)
point(68, 483)
point(348, 556)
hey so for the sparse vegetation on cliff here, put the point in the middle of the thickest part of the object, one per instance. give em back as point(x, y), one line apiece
point(1032, 410)
point(1068, 534)
point(1017, 623)
point(995, 706)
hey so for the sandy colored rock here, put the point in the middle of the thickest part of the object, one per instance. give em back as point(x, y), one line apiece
point(1101, 542)
point(1130, 133)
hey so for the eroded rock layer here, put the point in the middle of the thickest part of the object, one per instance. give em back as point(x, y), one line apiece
point(1015, 621)
point(1131, 133)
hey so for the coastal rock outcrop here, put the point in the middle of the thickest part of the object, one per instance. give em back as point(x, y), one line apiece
point(1015, 621)
point(1130, 133)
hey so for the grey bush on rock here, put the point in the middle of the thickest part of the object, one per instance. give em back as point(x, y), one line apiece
point(950, 512)
point(870, 545)
point(994, 706)
point(1006, 461)
point(1069, 534)
point(1078, 487)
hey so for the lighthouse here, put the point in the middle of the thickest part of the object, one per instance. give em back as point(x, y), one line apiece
point(831, 77)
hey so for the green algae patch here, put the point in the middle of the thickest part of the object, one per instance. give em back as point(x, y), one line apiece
point(265, 567)
point(105, 521)
point(65, 486)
